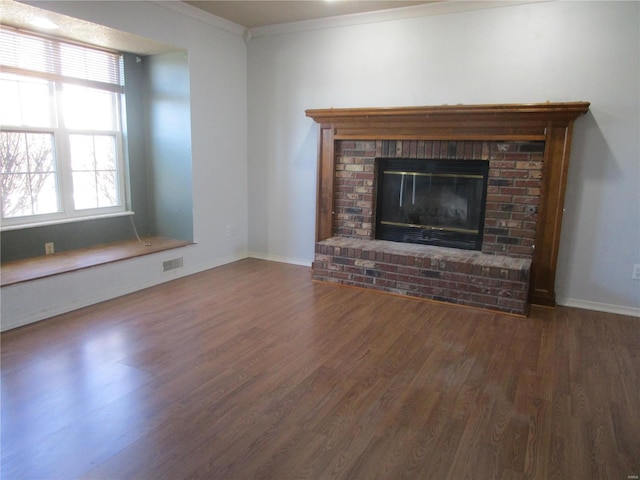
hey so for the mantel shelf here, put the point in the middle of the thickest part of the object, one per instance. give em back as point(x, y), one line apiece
point(547, 109)
point(448, 122)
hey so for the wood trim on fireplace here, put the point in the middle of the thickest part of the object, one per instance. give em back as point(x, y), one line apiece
point(325, 180)
point(550, 122)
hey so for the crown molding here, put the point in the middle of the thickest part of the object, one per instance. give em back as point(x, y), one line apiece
point(202, 16)
point(429, 9)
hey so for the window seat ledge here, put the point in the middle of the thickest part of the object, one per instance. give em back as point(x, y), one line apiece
point(20, 271)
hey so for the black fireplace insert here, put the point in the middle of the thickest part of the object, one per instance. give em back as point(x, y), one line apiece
point(431, 202)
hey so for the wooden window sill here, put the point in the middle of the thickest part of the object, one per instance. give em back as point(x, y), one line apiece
point(49, 265)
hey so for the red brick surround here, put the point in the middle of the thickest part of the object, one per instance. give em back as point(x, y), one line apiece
point(513, 192)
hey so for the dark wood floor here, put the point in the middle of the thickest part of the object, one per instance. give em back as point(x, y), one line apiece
point(252, 371)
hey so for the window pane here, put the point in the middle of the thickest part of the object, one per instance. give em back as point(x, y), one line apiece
point(26, 101)
point(107, 189)
point(88, 109)
point(82, 152)
point(16, 199)
point(29, 177)
point(84, 190)
point(10, 113)
point(40, 152)
point(13, 148)
point(36, 103)
point(45, 193)
point(95, 175)
point(105, 149)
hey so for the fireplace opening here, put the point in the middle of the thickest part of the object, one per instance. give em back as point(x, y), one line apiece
point(431, 202)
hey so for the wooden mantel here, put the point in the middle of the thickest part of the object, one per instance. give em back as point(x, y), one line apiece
point(548, 122)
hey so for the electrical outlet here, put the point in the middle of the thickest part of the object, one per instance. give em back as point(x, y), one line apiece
point(49, 248)
point(636, 272)
point(228, 231)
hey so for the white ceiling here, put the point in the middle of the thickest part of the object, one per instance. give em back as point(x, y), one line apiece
point(261, 13)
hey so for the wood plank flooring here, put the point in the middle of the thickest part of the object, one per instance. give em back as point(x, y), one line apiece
point(251, 371)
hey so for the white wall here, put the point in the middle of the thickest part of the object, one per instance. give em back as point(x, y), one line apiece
point(556, 51)
point(217, 60)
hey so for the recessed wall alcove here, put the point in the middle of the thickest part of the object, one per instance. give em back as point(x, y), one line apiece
point(527, 147)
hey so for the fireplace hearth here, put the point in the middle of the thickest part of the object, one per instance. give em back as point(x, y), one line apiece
point(431, 201)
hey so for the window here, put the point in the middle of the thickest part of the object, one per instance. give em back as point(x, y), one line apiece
point(60, 139)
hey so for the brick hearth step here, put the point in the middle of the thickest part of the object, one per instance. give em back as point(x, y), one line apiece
point(463, 277)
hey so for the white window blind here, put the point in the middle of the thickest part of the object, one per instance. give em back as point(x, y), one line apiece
point(54, 59)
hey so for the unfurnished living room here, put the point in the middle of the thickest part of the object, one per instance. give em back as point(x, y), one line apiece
point(313, 239)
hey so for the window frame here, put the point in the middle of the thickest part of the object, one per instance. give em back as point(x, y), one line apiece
point(62, 140)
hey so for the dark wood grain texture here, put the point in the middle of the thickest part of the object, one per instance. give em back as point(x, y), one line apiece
point(252, 371)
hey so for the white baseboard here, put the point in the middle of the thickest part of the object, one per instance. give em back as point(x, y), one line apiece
point(599, 307)
point(278, 258)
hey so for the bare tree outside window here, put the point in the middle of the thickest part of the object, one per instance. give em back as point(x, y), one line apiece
point(95, 175)
point(28, 174)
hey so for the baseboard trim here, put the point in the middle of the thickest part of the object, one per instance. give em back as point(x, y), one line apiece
point(599, 307)
point(280, 259)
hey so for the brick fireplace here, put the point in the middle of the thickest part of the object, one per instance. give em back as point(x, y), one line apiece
point(513, 191)
point(527, 148)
